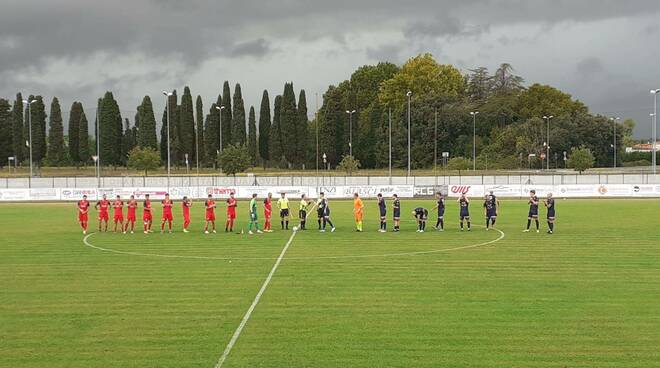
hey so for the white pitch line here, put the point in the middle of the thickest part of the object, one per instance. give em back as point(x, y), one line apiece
point(247, 315)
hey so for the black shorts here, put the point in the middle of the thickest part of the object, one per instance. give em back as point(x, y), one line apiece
point(491, 213)
point(302, 214)
point(284, 212)
point(465, 215)
point(441, 213)
point(533, 214)
point(397, 214)
point(551, 215)
point(383, 213)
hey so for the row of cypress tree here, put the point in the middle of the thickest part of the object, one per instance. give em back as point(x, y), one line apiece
point(281, 138)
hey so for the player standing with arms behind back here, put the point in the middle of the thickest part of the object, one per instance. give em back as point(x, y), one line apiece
point(118, 214)
point(550, 205)
point(358, 212)
point(209, 206)
point(533, 210)
point(167, 214)
point(382, 209)
point(440, 205)
point(254, 220)
point(231, 212)
point(283, 205)
point(83, 209)
point(185, 205)
point(464, 205)
point(147, 216)
point(130, 214)
point(396, 212)
point(103, 206)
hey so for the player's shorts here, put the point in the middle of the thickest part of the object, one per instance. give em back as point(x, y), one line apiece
point(441, 213)
point(284, 212)
point(533, 214)
point(326, 212)
point(302, 214)
point(103, 216)
point(491, 213)
point(82, 217)
point(130, 217)
point(422, 217)
point(210, 216)
point(146, 217)
point(168, 217)
point(231, 215)
point(268, 214)
point(253, 216)
point(118, 217)
point(319, 213)
point(551, 215)
point(397, 214)
point(383, 213)
point(465, 215)
point(358, 216)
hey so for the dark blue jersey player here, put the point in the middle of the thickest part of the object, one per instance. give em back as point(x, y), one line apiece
point(464, 206)
point(324, 213)
point(490, 208)
point(440, 205)
point(396, 212)
point(382, 209)
point(550, 206)
point(421, 215)
point(533, 210)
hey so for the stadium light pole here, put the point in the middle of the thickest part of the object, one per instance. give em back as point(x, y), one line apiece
point(654, 92)
point(389, 133)
point(435, 150)
point(474, 139)
point(409, 94)
point(350, 131)
point(196, 150)
point(98, 149)
point(614, 122)
point(220, 108)
point(167, 112)
point(547, 146)
point(29, 103)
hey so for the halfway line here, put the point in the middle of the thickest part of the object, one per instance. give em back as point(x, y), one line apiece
point(247, 315)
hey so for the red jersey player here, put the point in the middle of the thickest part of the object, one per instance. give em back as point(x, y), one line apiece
point(147, 217)
point(268, 212)
point(83, 208)
point(167, 213)
point(210, 214)
point(231, 212)
point(130, 214)
point(118, 213)
point(103, 206)
point(186, 204)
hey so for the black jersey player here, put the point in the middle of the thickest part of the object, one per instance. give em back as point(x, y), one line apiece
point(382, 209)
point(440, 206)
point(421, 215)
point(550, 206)
point(490, 208)
point(396, 212)
point(533, 211)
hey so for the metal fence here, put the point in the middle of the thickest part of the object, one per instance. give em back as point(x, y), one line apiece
point(174, 181)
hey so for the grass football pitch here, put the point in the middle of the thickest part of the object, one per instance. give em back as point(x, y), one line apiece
point(586, 296)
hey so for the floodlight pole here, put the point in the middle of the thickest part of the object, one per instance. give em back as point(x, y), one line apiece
point(29, 103)
point(389, 131)
point(547, 146)
point(654, 134)
point(167, 112)
point(350, 131)
point(409, 94)
point(474, 139)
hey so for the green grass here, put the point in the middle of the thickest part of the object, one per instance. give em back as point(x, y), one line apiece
point(587, 296)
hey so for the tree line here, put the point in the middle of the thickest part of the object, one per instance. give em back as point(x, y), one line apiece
point(363, 111)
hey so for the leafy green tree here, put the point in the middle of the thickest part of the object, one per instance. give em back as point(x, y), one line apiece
point(459, 163)
point(504, 81)
point(349, 164)
point(479, 84)
point(74, 132)
point(144, 158)
point(581, 159)
point(252, 136)
point(234, 159)
point(275, 134)
point(539, 100)
point(199, 117)
point(18, 140)
point(288, 122)
point(264, 127)
point(6, 147)
point(226, 115)
point(83, 138)
point(331, 125)
point(56, 152)
point(146, 123)
point(186, 127)
point(238, 117)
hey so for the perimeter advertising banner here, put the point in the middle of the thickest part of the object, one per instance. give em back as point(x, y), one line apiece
point(368, 191)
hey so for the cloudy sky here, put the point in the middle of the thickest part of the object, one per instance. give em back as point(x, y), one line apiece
point(604, 52)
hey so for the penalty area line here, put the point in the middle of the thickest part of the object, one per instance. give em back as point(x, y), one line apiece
point(248, 314)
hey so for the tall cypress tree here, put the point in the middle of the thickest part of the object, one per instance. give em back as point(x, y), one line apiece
point(289, 123)
point(110, 131)
point(331, 125)
point(56, 152)
point(83, 138)
point(173, 119)
point(302, 129)
point(238, 117)
point(37, 116)
point(252, 136)
point(264, 127)
point(6, 147)
point(74, 132)
point(129, 140)
point(275, 136)
point(226, 115)
point(18, 140)
point(147, 125)
point(187, 126)
point(212, 134)
point(199, 132)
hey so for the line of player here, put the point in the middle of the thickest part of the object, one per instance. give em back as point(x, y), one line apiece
point(491, 207)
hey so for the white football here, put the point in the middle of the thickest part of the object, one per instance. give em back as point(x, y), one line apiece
point(295, 228)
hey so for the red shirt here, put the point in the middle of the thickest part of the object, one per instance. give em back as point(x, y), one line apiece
point(186, 208)
point(147, 206)
point(132, 205)
point(231, 205)
point(267, 205)
point(167, 206)
point(104, 205)
point(118, 206)
point(83, 206)
point(210, 205)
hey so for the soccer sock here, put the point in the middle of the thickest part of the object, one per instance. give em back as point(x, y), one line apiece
point(492, 222)
point(250, 226)
point(469, 225)
point(529, 223)
point(324, 222)
point(330, 222)
point(282, 223)
point(319, 221)
point(537, 224)
point(287, 224)
point(487, 223)
point(552, 226)
point(461, 224)
point(384, 225)
point(423, 225)
point(442, 224)
point(437, 223)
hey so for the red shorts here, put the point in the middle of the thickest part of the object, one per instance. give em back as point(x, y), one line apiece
point(168, 217)
point(210, 216)
point(119, 217)
point(231, 214)
point(268, 214)
point(82, 217)
point(103, 216)
point(130, 217)
point(146, 217)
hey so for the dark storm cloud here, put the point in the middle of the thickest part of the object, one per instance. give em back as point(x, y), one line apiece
point(256, 48)
point(590, 66)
